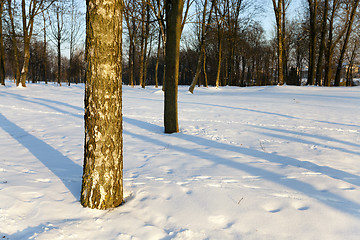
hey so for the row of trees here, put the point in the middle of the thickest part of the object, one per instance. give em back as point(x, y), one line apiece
point(223, 42)
point(326, 42)
point(33, 34)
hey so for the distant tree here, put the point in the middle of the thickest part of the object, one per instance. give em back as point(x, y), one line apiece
point(333, 38)
point(174, 10)
point(29, 11)
point(2, 50)
point(59, 32)
point(279, 10)
point(75, 32)
point(322, 46)
point(205, 21)
point(102, 185)
point(313, 11)
point(13, 35)
point(354, 5)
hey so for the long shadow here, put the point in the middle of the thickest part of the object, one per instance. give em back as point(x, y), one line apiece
point(25, 99)
point(332, 200)
point(320, 95)
point(335, 201)
point(255, 111)
point(293, 139)
point(46, 100)
point(271, 157)
point(271, 113)
point(330, 139)
point(63, 167)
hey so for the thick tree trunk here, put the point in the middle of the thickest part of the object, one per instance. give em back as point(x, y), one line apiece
point(102, 185)
point(174, 10)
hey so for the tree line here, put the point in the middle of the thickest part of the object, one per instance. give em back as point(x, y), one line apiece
point(32, 38)
point(223, 43)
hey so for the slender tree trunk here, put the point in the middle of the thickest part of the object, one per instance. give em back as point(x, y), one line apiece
point(219, 56)
point(131, 63)
point(198, 69)
point(25, 68)
point(14, 43)
point(174, 10)
point(349, 74)
point(204, 70)
point(147, 31)
point(319, 68)
point(202, 46)
point(278, 9)
point(102, 185)
point(44, 52)
point(58, 48)
point(346, 40)
point(27, 33)
point(142, 43)
point(2, 51)
point(313, 4)
point(157, 61)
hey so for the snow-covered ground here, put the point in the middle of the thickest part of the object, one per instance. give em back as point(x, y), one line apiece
point(249, 163)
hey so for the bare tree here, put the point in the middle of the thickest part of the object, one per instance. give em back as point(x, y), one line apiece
point(59, 32)
point(319, 67)
point(313, 8)
point(75, 29)
point(202, 54)
point(279, 14)
point(2, 50)
point(11, 11)
point(354, 5)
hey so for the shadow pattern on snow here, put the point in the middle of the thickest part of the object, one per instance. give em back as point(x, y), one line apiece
point(63, 167)
point(41, 101)
point(328, 198)
point(254, 111)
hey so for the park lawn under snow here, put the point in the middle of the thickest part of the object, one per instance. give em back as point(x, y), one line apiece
point(249, 163)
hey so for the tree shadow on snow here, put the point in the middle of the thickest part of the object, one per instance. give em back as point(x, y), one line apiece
point(63, 167)
point(328, 198)
point(43, 102)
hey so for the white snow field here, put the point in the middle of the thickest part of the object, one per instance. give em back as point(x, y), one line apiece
point(249, 163)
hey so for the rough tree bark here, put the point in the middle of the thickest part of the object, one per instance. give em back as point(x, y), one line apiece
point(102, 185)
point(174, 10)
